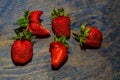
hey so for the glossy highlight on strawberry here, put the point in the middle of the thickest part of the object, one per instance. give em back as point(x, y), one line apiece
point(59, 54)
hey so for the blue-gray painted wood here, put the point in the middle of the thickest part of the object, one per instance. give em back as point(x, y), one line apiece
point(92, 64)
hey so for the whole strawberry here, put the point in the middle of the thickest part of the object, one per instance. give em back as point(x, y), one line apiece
point(60, 23)
point(22, 48)
point(32, 22)
point(89, 37)
point(35, 16)
point(59, 52)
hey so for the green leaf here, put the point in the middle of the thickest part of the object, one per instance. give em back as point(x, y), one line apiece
point(87, 30)
point(54, 13)
point(27, 34)
point(65, 14)
point(82, 27)
point(86, 34)
point(61, 12)
point(56, 38)
point(82, 41)
point(23, 22)
point(63, 39)
point(26, 14)
point(67, 45)
point(80, 34)
point(17, 33)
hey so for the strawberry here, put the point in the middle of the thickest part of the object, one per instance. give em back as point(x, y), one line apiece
point(59, 52)
point(22, 52)
point(22, 48)
point(38, 30)
point(89, 37)
point(31, 21)
point(60, 23)
point(35, 16)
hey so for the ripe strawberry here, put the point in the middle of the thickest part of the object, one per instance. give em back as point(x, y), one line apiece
point(35, 16)
point(60, 23)
point(89, 37)
point(59, 52)
point(38, 30)
point(22, 49)
point(31, 21)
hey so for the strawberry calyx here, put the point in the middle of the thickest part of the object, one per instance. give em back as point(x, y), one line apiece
point(24, 35)
point(61, 39)
point(59, 12)
point(24, 21)
point(82, 35)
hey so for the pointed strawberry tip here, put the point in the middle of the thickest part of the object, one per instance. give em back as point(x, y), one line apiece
point(58, 65)
point(55, 68)
point(55, 65)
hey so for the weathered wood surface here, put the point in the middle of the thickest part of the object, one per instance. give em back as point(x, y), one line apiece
point(92, 64)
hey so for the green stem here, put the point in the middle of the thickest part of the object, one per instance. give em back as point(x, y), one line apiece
point(26, 28)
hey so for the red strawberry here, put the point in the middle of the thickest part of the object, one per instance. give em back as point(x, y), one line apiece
point(33, 24)
point(35, 16)
point(60, 23)
point(38, 30)
point(89, 37)
point(22, 49)
point(59, 52)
